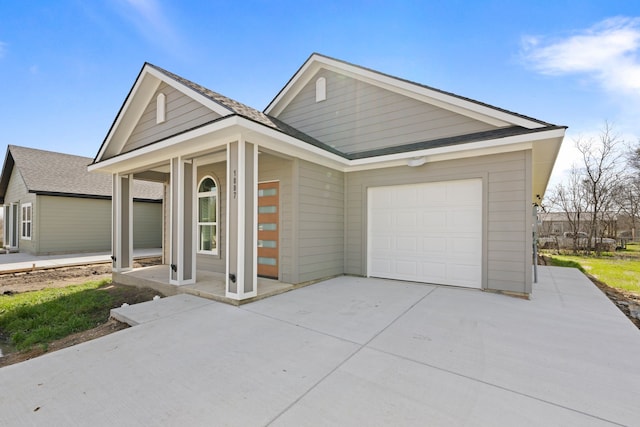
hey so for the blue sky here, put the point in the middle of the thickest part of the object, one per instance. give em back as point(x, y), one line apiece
point(67, 66)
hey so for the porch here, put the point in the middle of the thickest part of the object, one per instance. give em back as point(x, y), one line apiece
point(210, 285)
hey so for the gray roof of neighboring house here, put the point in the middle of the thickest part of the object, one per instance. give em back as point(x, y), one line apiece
point(47, 172)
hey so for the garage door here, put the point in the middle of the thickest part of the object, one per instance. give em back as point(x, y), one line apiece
point(429, 232)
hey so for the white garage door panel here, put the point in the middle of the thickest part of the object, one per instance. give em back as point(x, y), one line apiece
point(429, 232)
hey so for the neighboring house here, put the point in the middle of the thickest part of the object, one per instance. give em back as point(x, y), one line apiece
point(347, 171)
point(558, 223)
point(52, 204)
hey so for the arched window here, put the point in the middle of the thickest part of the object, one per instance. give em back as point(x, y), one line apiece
point(208, 216)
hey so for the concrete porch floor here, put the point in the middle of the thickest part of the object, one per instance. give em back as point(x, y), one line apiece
point(208, 284)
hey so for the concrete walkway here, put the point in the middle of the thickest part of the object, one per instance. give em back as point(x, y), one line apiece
point(350, 352)
point(24, 261)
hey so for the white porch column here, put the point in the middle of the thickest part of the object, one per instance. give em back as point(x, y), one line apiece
point(5, 225)
point(242, 189)
point(182, 237)
point(122, 222)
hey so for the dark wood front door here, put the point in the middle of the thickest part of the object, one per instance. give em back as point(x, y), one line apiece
point(268, 229)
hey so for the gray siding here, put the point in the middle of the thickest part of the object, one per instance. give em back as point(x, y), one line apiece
point(71, 224)
point(17, 193)
point(182, 113)
point(357, 116)
point(147, 225)
point(272, 168)
point(506, 177)
point(320, 234)
point(208, 262)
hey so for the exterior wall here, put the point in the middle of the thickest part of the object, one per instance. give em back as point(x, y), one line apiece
point(272, 168)
point(71, 224)
point(17, 193)
point(357, 116)
point(320, 228)
point(217, 262)
point(182, 113)
point(506, 222)
point(147, 225)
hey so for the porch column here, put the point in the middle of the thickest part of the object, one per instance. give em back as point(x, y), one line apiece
point(5, 225)
point(242, 188)
point(122, 222)
point(182, 228)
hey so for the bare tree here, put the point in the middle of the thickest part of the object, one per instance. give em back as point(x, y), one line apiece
point(601, 167)
point(570, 198)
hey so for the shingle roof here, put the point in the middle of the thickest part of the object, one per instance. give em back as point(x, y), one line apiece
point(429, 88)
point(247, 112)
point(47, 172)
point(250, 113)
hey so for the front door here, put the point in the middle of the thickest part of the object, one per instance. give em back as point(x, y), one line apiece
point(268, 229)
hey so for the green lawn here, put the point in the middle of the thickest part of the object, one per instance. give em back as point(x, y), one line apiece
point(619, 270)
point(39, 317)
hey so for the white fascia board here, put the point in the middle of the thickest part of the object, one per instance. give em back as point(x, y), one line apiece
point(191, 93)
point(135, 104)
point(292, 87)
point(491, 146)
point(171, 147)
point(216, 135)
point(449, 102)
point(452, 103)
point(289, 145)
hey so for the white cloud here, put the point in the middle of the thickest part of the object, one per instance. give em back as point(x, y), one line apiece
point(151, 21)
point(608, 52)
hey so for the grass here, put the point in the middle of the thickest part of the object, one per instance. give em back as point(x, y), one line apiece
point(619, 270)
point(40, 317)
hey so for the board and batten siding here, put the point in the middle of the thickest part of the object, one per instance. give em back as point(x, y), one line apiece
point(506, 205)
point(358, 116)
point(182, 113)
point(320, 233)
point(273, 168)
point(17, 193)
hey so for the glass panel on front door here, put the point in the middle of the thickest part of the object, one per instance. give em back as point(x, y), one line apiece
point(268, 229)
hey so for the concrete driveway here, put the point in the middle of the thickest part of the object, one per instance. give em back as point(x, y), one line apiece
point(349, 352)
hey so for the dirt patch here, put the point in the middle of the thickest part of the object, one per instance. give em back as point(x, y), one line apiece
point(622, 299)
point(61, 277)
point(66, 276)
point(110, 326)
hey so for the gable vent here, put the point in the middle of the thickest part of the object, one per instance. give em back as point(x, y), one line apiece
point(321, 89)
point(161, 108)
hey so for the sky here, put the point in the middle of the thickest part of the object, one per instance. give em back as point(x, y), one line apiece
point(67, 66)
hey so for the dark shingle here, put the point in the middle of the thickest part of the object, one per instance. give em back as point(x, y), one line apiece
point(47, 172)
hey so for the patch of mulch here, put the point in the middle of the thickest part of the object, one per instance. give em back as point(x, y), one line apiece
point(622, 299)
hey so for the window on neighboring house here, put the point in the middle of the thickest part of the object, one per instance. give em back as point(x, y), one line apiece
point(26, 221)
point(208, 216)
